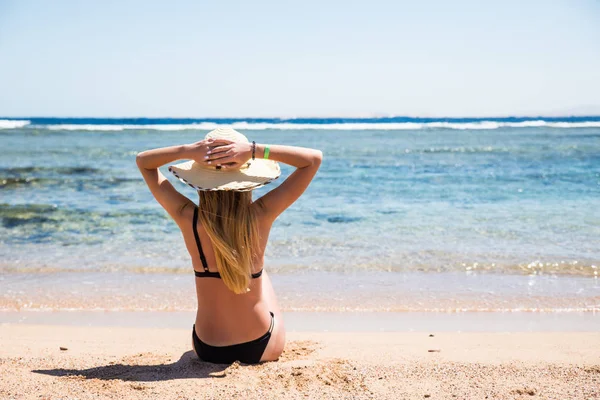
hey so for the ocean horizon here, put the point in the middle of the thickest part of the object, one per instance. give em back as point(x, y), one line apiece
point(283, 123)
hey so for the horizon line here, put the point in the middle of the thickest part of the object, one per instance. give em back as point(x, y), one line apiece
point(364, 117)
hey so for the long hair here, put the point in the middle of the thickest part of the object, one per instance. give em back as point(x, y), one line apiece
point(232, 227)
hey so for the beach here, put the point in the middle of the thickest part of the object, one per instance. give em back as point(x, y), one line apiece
point(141, 363)
point(446, 247)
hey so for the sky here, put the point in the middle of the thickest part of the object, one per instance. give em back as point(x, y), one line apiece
point(285, 58)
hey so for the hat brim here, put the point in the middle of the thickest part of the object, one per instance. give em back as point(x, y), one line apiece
point(259, 173)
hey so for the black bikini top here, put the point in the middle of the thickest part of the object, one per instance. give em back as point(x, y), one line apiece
point(207, 273)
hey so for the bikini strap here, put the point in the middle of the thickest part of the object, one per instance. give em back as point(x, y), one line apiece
point(202, 258)
point(257, 275)
point(272, 321)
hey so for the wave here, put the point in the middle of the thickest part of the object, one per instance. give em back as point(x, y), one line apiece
point(385, 124)
point(118, 128)
point(484, 125)
point(13, 124)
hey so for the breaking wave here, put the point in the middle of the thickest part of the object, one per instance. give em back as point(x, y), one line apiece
point(383, 124)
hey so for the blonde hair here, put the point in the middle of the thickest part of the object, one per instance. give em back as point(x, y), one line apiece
point(231, 225)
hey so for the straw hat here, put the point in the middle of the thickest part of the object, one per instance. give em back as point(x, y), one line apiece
point(251, 175)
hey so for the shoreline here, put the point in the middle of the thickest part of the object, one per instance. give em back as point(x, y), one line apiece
point(310, 291)
point(300, 321)
point(138, 363)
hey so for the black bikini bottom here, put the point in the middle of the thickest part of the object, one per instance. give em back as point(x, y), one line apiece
point(247, 352)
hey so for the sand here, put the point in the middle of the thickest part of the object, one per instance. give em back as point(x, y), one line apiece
point(70, 362)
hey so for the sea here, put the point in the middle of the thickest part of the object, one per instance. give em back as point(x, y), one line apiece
point(445, 215)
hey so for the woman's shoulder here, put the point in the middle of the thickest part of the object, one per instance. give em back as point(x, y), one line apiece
point(186, 213)
point(261, 212)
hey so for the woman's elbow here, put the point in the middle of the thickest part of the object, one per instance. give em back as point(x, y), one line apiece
point(317, 158)
point(139, 160)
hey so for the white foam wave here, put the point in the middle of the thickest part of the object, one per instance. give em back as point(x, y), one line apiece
point(463, 126)
point(106, 127)
point(527, 124)
point(75, 127)
point(337, 126)
point(13, 124)
point(587, 124)
point(257, 126)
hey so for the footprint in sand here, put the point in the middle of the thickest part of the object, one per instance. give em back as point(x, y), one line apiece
point(527, 390)
point(298, 350)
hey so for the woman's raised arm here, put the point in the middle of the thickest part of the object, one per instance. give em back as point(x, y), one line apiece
point(307, 162)
point(149, 161)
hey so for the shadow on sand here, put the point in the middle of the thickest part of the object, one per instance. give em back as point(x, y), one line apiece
point(188, 366)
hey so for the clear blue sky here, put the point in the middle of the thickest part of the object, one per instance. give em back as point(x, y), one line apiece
point(300, 58)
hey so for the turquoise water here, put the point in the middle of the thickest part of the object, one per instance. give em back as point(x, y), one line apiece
point(508, 201)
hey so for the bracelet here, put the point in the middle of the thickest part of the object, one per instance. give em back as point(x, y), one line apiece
point(266, 155)
point(253, 149)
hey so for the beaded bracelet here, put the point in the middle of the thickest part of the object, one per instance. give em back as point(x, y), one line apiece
point(253, 149)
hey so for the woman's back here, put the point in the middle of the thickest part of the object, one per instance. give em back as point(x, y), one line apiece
point(224, 317)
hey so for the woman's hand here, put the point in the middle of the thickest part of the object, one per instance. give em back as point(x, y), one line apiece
point(227, 154)
point(199, 150)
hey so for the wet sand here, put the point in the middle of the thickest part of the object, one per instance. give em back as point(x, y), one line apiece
point(308, 291)
point(53, 361)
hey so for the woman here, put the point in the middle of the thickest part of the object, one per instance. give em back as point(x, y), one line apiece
point(226, 235)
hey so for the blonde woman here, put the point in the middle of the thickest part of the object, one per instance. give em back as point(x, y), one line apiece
point(226, 235)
